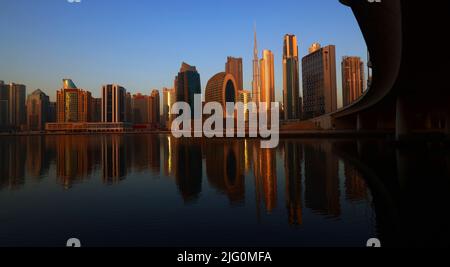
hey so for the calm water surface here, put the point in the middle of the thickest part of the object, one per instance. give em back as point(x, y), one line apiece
point(155, 190)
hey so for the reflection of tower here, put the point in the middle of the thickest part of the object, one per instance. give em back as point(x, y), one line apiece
point(188, 169)
point(355, 186)
point(167, 155)
point(140, 151)
point(264, 169)
point(225, 168)
point(74, 158)
point(292, 165)
point(12, 154)
point(36, 158)
point(114, 167)
point(322, 180)
point(154, 150)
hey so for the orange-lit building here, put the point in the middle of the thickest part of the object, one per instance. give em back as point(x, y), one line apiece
point(353, 82)
point(73, 104)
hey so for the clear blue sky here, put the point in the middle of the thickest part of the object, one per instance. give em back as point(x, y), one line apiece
point(140, 44)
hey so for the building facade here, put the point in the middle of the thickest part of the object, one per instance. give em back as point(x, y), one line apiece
point(140, 109)
point(187, 85)
point(245, 97)
point(96, 109)
point(38, 105)
point(291, 79)
point(267, 94)
point(353, 81)
point(221, 88)
point(16, 105)
point(234, 67)
point(319, 81)
point(154, 108)
point(168, 101)
point(113, 103)
point(73, 104)
point(4, 110)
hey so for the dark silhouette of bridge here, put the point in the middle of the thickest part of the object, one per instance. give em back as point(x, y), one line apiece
point(409, 91)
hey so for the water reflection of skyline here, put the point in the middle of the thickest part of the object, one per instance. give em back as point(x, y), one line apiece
point(309, 170)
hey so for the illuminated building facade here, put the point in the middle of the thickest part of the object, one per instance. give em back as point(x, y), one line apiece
point(168, 101)
point(113, 103)
point(73, 104)
point(221, 88)
point(267, 94)
point(353, 81)
point(319, 81)
point(234, 67)
point(291, 79)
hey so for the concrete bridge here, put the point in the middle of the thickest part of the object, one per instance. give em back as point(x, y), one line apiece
point(409, 93)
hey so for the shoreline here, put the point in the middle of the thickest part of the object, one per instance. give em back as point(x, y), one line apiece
point(283, 134)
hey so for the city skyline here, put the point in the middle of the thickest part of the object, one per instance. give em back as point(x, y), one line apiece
point(142, 68)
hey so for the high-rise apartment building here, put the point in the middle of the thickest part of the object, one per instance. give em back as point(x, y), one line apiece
point(353, 81)
point(319, 81)
point(291, 79)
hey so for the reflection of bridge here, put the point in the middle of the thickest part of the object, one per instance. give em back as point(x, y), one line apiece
point(408, 92)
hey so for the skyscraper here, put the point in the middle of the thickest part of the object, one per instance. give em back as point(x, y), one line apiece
point(154, 108)
point(353, 82)
point(140, 106)
point(234, 67)
point(187, 85)
point(319, 81)
point(16, 105)
point(291, 81)
point(4, 110)
point(38, 104)
point(267, 93)
point(113, 103)
point(168, 101)
point(256, 75)
point(73, 104)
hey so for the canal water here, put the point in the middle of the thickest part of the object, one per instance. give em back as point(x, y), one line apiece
point(156, 190)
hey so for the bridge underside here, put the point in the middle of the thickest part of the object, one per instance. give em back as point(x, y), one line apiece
point(409, 94)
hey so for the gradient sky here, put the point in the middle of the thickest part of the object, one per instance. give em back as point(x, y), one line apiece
point(140, 44)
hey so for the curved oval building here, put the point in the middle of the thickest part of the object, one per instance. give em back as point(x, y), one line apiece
point(221, 88)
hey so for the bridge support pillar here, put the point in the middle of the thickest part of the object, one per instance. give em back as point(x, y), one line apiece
point(402, 128)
